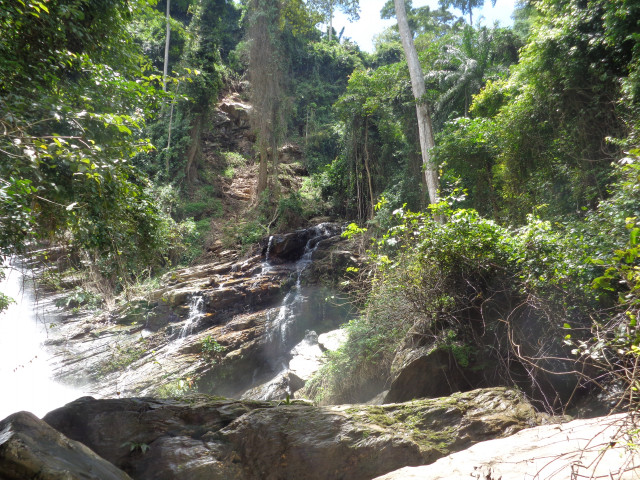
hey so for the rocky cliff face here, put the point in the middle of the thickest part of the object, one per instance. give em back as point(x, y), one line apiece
point(225, 328)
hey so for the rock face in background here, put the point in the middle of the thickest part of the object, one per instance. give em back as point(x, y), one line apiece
point(204, 438)
point(218, 328)
point(30, 448)
point(424, 372)
point(593, 448)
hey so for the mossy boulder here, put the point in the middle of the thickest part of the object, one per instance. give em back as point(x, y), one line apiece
point(212, 438)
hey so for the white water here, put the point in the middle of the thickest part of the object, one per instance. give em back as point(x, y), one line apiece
point(25, 370)
point(196, 312)
point(303, 358)
point(279, 326)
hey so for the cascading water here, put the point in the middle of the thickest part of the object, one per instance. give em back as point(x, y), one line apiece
point(25, 367)
point(280, 343)
point(196, 312)
point(279, 327)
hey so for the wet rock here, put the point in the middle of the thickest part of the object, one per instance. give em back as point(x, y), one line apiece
point(307, 358)
point(290, 247)
point(280, 387)
point(30, 448)
point(424, 372)
point(204, 437)
point(333, 340)
point(148, 353)
point(593, 448)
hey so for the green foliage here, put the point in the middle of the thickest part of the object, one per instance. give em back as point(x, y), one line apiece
point(549, 133)
point(79, 297)
point(353, 230)
point(5, 300)
point(454, 286)
point(176, 388)
point(74, 95)
point(211, 349)
point(614, 345)
point(243, 233)
point(122, 357)
point(290, 211)
point(135, 446)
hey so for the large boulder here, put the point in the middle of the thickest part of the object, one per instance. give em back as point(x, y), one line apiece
point(30, 448)
point(206, 438)
point(594, 448)
point(290, 247)
point(424, 372)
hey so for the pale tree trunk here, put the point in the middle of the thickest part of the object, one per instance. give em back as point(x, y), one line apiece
point(166, 48)
point(425, 128)
point(263, 173)
point(366, 166)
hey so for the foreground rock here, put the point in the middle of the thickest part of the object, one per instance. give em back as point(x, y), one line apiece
point(594, 448)
point(29, 448)
point(206, 438)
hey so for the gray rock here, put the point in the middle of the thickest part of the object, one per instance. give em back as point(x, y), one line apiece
point(29, 448)
point(206, 438)
point(424, 372)
point(594, 448)
point(333, 340)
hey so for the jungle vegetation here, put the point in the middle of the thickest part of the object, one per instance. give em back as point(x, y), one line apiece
point(536, 152)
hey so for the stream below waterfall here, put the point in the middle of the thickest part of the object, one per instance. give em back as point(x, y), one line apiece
point(25, 366)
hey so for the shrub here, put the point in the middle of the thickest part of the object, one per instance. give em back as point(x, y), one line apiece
point(469, 286)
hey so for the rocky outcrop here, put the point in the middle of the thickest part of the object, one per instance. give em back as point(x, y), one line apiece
point(425, 372)
point(202, 437)
point(290, 247)
point(222, 328)
point(594, 448)
point(231, 126)
point(30, 448)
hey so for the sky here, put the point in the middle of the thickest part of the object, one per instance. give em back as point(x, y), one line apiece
point(370, 24)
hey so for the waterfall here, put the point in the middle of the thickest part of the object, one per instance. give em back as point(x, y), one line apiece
point(281, 342)
point(25, 367)
point(196, 312)
point(280, 325)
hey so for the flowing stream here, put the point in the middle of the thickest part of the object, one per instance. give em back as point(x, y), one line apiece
point(25, 367)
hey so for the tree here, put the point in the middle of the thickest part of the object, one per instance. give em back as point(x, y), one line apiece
point(73, 99)
point(166, 55)
point(465, 6)
point(328, 7)
point(419, 92)
point(266, 75)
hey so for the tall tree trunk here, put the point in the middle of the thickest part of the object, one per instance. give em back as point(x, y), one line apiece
point(195, 149)
point(166, 48)
point(425, 128)
point(366, 166)
point(263, 172)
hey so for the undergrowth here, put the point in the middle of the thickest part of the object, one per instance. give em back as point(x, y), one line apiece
point(530, 298)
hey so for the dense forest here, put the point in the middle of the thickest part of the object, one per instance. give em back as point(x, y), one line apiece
point(530, 227)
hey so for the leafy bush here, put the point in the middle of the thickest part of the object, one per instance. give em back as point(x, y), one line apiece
point(79, 297)
point(211, 349)
point(474, 288)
